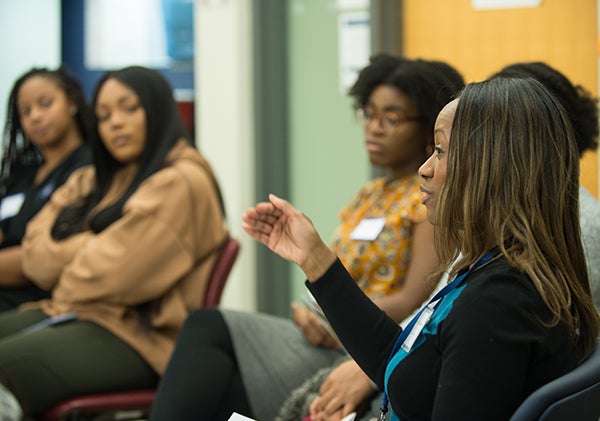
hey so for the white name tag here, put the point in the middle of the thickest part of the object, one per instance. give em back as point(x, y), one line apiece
point(11, 205)
point(418, 327)
point(368, 229)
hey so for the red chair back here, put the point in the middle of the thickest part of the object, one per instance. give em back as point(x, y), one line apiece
point(220, 272)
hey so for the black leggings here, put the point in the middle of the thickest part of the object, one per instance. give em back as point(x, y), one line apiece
point(202, 381)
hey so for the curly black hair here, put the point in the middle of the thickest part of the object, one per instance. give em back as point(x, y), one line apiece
point(429, 84)
point(580, 105)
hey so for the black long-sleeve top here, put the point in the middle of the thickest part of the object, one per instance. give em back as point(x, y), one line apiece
point(36, 196)
point(489, 353)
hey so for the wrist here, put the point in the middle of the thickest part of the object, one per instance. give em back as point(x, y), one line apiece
point(318, 261)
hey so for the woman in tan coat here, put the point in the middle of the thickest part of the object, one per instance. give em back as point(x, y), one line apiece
point(126, 246)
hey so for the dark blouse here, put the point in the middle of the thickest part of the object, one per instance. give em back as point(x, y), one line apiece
point(485, 356)
point(35, 197)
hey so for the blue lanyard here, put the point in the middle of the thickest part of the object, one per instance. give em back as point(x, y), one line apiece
point(50, 321)
point(406, 332)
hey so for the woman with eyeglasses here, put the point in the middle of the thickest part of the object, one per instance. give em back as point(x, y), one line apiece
point(254, 361)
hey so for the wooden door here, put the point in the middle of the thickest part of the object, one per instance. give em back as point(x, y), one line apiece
point(480, 42)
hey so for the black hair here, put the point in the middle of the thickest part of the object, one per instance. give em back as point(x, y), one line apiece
point(18, 150)
point(379, 68)
point(430, 85)
point(580, 106)
point(164, 127)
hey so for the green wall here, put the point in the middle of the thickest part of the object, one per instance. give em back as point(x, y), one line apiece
point(328, 161)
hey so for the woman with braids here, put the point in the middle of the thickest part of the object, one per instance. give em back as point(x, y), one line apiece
point(48, 124)
point(126, 245)
point(254, 360)
point(501, 190)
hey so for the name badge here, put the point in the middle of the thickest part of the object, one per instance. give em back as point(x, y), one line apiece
point(11, 205)
point(368, 229)
point(418, 327)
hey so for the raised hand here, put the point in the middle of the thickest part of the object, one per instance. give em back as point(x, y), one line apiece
point(289, 233)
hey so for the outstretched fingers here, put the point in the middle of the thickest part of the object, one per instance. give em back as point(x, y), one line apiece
point(259, 221)
point(253, 232)
point(287, 232)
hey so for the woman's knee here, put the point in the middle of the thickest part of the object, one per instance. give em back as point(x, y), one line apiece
point(208, 327)
point(203, 317)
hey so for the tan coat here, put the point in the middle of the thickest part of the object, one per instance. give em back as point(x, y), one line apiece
point(157, 255)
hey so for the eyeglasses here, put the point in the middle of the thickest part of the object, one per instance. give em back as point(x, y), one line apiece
point(388, 120)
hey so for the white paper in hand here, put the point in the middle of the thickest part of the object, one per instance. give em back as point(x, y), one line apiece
point(349, 417)
point(238, 417)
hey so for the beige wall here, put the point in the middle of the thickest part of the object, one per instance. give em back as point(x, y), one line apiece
point(224, 121)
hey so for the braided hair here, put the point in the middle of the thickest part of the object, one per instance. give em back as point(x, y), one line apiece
point(19, 151)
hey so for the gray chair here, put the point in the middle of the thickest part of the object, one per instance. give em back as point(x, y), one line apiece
point(573, 396)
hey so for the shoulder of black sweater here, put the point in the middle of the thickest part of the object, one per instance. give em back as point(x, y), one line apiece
point(499, 282)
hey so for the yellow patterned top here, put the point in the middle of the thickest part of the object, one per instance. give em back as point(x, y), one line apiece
point(379, 266)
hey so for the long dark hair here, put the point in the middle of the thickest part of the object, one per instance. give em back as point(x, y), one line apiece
point(18, 149)
point(512, 181)
point(164, 127)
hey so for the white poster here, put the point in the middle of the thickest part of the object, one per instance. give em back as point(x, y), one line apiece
point(351, 4)
point(120, 33)
point(354, 46)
